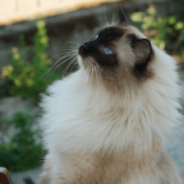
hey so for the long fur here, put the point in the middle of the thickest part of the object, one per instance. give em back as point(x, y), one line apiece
point(94, 135)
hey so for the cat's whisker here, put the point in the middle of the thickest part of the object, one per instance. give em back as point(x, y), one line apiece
point(63, 52)
point(64, 56)
point(74, 64)
point(55, 66)
point(97, 85)
point(69, 57)
point(65, 59)
point(112, 20)
point(105, 17)
point(96, 23)
point(101, 17)
point(88, 70)
point(64, 72)
point(103, 20)
point(76, 44)
point(98, 69)
point(91, 78)
point(98, 20)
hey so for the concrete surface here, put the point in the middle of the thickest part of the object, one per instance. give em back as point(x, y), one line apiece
point(18, 177)
point(175, 148)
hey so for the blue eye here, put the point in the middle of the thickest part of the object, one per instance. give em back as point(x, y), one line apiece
point(107, 50)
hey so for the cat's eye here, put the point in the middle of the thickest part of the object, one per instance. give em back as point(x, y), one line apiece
point(96, 37)
point(107, 50)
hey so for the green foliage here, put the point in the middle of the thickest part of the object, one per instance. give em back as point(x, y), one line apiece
point(25, 74)
point(22, 152)
point(165, 32)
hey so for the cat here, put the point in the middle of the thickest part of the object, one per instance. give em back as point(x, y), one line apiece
point(106, 122)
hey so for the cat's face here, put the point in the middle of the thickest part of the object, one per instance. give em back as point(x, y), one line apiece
point(118, 54)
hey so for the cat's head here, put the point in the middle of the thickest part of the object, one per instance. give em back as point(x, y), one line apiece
point(118, 54)
point(140, 78)
point(120, 57)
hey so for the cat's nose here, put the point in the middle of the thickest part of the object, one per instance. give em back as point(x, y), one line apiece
point(87, 44)
point(82, 48)
point(85, 47)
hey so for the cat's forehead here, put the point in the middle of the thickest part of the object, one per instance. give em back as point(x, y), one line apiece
point(116, 31)
point(109, 34)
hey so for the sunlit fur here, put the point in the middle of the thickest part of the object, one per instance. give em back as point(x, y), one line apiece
point(106, 129)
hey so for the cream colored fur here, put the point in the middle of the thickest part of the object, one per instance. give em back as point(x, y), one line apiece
point(97, 136)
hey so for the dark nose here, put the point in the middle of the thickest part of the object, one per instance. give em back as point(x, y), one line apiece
point(87, 44)
point(82, 48)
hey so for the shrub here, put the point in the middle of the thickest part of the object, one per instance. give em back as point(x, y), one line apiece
point(25, 74)
point(165, 32)
point(22, 151)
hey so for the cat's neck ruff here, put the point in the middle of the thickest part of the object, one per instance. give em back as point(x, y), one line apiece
point(83, 117)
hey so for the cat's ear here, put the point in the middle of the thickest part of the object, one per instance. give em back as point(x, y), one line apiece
point(122, 17)
point(143, 52)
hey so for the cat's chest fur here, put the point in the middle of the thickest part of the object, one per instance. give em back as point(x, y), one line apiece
point(127, 167)
point(107, 168)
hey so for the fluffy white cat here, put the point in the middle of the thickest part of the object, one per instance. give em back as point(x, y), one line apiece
point(105, 123)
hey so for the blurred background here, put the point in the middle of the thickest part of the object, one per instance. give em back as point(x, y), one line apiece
point(36, 42)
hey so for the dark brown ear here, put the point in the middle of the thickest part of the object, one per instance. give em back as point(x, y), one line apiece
point(122, 17)
point(143, 53)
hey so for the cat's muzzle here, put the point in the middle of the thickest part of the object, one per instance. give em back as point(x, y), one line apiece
point(86, 47)
point(82, 48)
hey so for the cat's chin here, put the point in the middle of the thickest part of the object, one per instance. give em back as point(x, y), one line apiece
point(80, 60)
